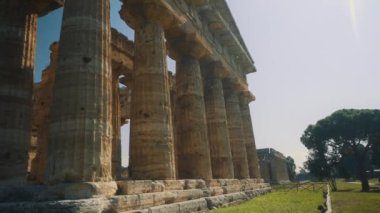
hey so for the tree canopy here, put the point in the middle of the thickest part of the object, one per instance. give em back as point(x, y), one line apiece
point(291, 167)
point(346, 131)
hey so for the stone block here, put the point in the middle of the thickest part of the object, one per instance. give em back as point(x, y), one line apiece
point(231, 189)
point(161, 198)
point(216, 201)
point(134, 187)
point(169, 208)
point(195, 184)
point(74, 191)
point(213, 183)
point(171, 185)
point(190, 194)
point(22, 193)
point(229, 182)
point(158, 186)
point(233, 197)
point(193, 206)
point(215, 191)
point(125, 202)
point(142, 201)
point(96, 205)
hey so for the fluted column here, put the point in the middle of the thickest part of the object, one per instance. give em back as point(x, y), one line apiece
point(250, 145)
point(151, 134)
point(116, 131)
point(218, 135)
point(80, 132)
point(237, 140)
point(193, 146)
point(17, 55)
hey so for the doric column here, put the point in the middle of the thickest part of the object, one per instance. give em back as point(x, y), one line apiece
point(42, 101)
point(218, 134)
point(116, 124)
point(192, 141)
point(253, 165)
point(17, 55)
point(237, 140)
point(151, 135)
point(80, 132)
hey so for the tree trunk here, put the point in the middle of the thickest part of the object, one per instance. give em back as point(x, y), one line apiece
point(362, 173)
point(332, 183)
point(364, 180)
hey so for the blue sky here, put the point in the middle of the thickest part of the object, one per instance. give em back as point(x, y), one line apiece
point(313, 57)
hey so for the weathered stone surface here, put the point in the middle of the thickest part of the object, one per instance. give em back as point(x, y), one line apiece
point(74, 191)
point(273, 166)
point(237, 142)
point(116, 124)
point(171, 185)
point(141, 201)
point(97, 205)
point(42, 100)
point(218, 135)
point(193, 148)
point(250, 145)
point(189, 194)
point(216, 191)
point(192, 200)
point(151, 139)
point(122, 53)
point(63, 191)
point(136, 187)
point(195, 184)
point(80, 132)
point(17, 56)
point(193, 206)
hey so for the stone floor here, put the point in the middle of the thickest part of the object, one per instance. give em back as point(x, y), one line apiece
point(131, 196)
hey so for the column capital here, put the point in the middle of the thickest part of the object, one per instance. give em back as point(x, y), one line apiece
point(183, 46)
point(246, 97)
point(214, 70)
point(136, 12)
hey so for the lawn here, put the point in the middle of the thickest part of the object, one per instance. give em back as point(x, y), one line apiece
point(280, 201)
point(349, 198)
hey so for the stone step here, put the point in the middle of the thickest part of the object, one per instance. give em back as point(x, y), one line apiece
point(179, 196)
point(203, 204)
point(197, 205)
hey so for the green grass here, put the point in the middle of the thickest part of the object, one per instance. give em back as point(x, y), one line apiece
point(279, 201)
point(349, 198)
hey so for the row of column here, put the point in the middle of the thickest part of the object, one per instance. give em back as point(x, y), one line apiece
point(212, 125)
point(213, 128)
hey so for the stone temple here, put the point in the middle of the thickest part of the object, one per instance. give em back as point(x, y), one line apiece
point(273, 166)
point(192, 145)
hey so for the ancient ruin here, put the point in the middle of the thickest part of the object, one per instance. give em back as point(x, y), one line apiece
point(192, 145)
point(273, 166)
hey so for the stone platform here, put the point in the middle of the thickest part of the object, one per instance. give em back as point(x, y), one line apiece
point(131, 196)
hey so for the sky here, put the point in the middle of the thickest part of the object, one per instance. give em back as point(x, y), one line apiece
point(312, 58)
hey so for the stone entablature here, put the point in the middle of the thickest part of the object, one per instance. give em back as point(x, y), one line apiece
point(185, 29)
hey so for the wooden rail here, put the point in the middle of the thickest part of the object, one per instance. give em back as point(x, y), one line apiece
point(303, 186)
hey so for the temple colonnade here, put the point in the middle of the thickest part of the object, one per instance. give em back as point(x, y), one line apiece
point(198, 127)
